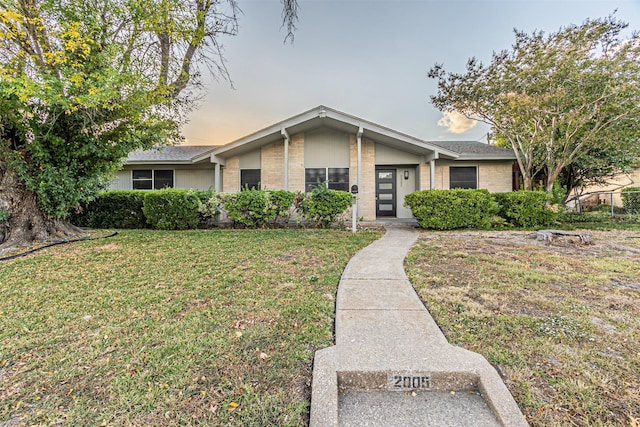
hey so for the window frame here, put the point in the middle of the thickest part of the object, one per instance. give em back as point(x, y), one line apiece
point(459, 181)
point(326, 174)
point(152, 180)
point(246, 185)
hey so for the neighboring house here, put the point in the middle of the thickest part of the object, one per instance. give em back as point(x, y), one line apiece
point(601, 194)
point(323, 144)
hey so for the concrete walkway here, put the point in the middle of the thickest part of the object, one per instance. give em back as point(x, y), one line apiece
point(391, 365)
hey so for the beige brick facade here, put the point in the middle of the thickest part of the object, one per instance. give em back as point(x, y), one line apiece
point(272, 166)
point(368, 180)
point(296, 163)
point(492, 175)
point(353, 160)
point(495, 176)
point(231, 175)
point(425, 176)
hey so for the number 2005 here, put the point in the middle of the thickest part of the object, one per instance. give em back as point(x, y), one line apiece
point(411, 382)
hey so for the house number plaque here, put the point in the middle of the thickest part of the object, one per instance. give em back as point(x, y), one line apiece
point(409, 381)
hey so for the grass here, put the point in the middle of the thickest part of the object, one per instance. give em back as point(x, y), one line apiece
point(560, 322)
point(169, 328)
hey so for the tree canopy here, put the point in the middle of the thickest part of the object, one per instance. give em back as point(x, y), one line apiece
point(85, 82)
point(564, 101)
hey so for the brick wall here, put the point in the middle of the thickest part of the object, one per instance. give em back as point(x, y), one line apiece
point(296, 163)
point(272, 166)
point(495, 176)
point(231, 175)
point(368, 183)
point(425, 176)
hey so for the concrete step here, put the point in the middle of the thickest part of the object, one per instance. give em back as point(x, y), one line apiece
point(421, 408)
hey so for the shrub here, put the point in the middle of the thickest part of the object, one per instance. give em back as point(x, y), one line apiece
point(171, 209)
point(253, 208)
point(280, 202)
point(209, 203)
point(571, 217)
point(525, 208)
point(451, 209)
point(322, 206)
point(113, 209)
point(606, 209)
point(247, 208)
point(631, 200)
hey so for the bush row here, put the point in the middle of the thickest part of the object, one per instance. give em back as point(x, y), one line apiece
point(631, 200)
point(177, 209)
point(452, 209)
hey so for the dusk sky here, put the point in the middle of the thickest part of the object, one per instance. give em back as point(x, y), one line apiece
point(369, 58)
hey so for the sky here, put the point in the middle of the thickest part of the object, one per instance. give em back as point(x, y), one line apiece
point(369, 59)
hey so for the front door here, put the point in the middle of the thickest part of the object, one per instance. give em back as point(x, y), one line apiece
point(386, 192)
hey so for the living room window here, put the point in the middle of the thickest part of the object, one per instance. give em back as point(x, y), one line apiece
point(249, 179)
point(338, 178)
point(463, 177)
point(151, 179)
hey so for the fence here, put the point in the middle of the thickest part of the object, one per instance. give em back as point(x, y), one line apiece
point(587, 202)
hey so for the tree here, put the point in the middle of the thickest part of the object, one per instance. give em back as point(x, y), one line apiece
point(557, 99)
point(85, 82)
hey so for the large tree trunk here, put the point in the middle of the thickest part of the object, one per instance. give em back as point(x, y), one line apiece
point(27, 224)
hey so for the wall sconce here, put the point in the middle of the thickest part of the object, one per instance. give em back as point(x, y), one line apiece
point(406, 174)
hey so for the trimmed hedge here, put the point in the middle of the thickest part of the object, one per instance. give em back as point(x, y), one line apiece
point(322, 206)
point(166, 209)
point(282, 201)
point(172, 209)
point(525, 208)
point(631, 201)
point(452, 209)
point(255, 208)
point(209, 206)
point(178, 209)
point(113, 209)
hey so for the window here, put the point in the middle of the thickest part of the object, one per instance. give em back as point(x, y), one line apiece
point(463, 177)
point(312, 176)
point(162, 179)
point(338, 178)
point(143, 180)
point(149, 179)
point(250, 178)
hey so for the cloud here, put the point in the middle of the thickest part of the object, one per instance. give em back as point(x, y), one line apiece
point(456, 122)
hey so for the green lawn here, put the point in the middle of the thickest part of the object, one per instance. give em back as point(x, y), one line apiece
point(169, 328)
point(561, 322)
point(219, 327)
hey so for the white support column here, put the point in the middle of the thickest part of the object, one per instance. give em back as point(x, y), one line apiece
point(217, 174)
point(359, 161)
point(432, 174)
point(285, 135)
point(431, 158)
point(217, 178)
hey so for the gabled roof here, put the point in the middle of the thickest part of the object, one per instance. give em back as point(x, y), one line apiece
point(325, 116)
point(318, 117)
point(474, 150)
point(172, 154)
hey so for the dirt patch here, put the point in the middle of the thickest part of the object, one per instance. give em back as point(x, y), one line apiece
point(624, 243)
point(109, 247)
point(558, 319)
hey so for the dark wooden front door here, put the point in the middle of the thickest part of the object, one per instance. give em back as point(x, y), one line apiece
point(386, 192)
